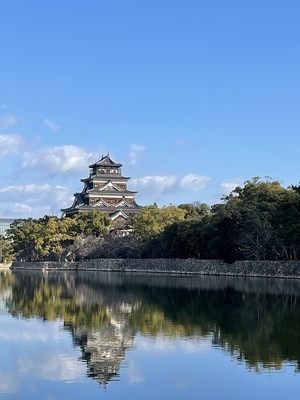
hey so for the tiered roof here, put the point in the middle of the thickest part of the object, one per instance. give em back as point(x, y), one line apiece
point(106, 190)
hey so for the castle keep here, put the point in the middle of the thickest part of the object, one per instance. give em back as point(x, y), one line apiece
point(105, 190)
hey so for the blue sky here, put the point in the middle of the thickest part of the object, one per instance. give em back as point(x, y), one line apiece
point(193, 97)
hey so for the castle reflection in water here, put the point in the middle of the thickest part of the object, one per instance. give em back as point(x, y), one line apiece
point(104, 349)
point(255, 320)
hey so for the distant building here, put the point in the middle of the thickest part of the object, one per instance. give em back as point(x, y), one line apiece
point(105, 190)
point(5, 225)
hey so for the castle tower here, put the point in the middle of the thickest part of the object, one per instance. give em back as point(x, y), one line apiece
point(105, 190)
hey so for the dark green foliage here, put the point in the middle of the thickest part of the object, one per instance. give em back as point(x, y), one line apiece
point(6, 250)
point(259, 221)
point(93, 223)
point(195, 211)
point(47, 237)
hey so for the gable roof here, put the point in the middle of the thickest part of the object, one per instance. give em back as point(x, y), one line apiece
point(117, 214)
point(101, 203)
point(124, 203)
point(110, 185)
point(105, 161)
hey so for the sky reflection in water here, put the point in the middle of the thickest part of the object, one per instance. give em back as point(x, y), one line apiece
point(87, 336)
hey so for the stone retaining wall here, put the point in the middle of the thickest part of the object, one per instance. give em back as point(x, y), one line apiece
point(287, 269)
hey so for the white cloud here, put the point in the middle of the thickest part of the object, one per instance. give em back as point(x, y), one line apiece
point(23, 335)
point(52, 367)
point(135, 374)
point(194, 182)
point(156, 183)
point(50, 364)
point(7, 120)
point(227, 187)
point(35, 332)
point(196, 345)
point(52, 125)
point(32, 193)
point(181, 144)
point(58, 160)
point(21, 209)
point(9, 143)
point(158, 343)
point(8, 383)
point(136, 152)
point(34, 200)
point(167, 184)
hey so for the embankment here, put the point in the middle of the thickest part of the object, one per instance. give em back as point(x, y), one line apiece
point(266, 269)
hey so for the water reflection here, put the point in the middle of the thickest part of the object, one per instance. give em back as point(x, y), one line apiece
point(103, 348)
point(255, 320)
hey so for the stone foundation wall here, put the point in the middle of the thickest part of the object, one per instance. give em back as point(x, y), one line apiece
point(287, 269)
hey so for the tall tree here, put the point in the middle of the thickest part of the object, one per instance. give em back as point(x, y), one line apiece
point(94, 223)
point(248, 221)
point(153, 220)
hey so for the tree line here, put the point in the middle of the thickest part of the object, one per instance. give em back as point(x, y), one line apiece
point(259, 327)
point(257, 221)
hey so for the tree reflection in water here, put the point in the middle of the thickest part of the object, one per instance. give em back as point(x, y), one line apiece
point(256, 320)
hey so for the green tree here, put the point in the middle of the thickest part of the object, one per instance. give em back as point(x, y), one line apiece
point(186, 239)
point(94, 223)
point(258, 221)
point(6, 250)
point(47, 237)
point(247, 224)
point(153, 220)
point(25, 235)
point(50, 240)
point(288, 222)
point(35, 240)
point(195, 210)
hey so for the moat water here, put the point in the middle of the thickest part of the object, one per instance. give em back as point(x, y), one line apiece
point(112, 335)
